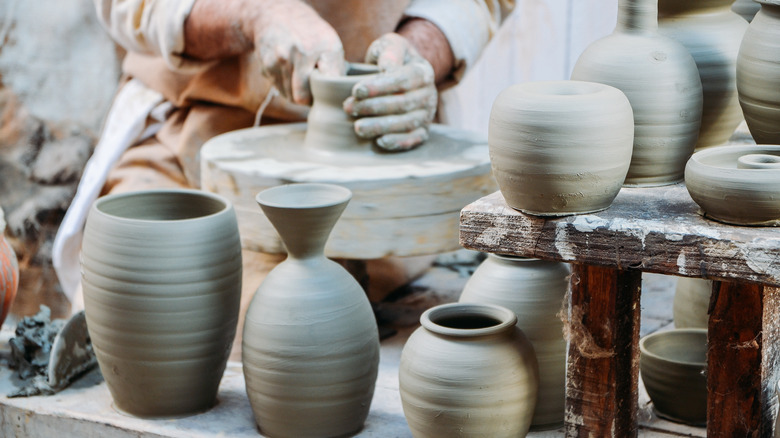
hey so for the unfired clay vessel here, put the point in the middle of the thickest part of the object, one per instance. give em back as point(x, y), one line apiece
point(672, 365)
point(737, 184)
point(712, 33)
point(9, 273)
point(758, 74)
point(560, 147)
point(747, 9)
point(691, 302)
point(468, 371)
point(661, 81)
point(161, 273)
point(310, 340)
point(330, 129)
point(533, 289)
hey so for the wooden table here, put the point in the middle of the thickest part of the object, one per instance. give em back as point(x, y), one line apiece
point(651, 230)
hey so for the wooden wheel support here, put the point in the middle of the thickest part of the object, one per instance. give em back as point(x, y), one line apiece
point(651, 230)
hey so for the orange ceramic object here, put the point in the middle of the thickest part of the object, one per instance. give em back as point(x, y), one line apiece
point(9, 278)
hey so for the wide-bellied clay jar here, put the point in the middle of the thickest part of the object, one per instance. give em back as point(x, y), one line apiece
point(661, 81)
point(161, 274)
point(712, 33)
point(736, 184)
point(310, 340)
point(560, 147)
point(746, 9)
point(758, 74)
point(691, 302)
point(9, 272)
point(329, 128)
point(468, 371)
point(534, 290)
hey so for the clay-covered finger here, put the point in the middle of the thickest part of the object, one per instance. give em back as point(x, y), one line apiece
point(370, 127)
point(392, 104)
point(404, 141)
point(299, 80)
point(388, 51)
point(396, 80)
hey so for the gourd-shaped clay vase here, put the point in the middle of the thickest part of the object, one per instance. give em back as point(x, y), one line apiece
point(9, 273)
point(161, 274)
point(310, 342)
point(691, 302)
point(747, 9)
point(533, 289)
point(560, 147)
point(468, 371)
point(661, 81)
point(758, 74)
point(712, 33)
point(329, 129)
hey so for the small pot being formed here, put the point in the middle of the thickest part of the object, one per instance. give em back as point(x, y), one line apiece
point(673, 365)
point(737, 184)
point(468, 372)
point(560, 147)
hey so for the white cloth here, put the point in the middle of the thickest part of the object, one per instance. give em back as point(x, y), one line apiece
point(124, 126)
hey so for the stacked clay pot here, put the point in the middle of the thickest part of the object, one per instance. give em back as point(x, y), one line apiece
point(661, 81)
point(534, 290)
point(712, 33)
point(468, 372)
point(310, 340)
point(161, 273)
point(560, 147)
point(758, 74)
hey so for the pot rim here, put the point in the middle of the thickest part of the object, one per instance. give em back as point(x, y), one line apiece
point(304, 196)
point(506, 319)
point(105, 201)
point(356, 71)
point(643, 349)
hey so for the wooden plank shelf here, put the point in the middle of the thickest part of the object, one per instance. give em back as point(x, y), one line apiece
point(657, 230)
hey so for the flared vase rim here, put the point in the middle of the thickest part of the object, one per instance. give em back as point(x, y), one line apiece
point(101, 203)
point(505, 319)
point(280, 196)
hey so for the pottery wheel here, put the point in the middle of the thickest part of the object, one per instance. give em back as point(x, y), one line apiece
point(403, 204)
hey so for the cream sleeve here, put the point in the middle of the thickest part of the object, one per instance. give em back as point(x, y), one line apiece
point(154, 27)
point(467, 24)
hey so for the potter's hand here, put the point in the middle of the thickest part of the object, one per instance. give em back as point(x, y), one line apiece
point(397, 105)
point(291, 40)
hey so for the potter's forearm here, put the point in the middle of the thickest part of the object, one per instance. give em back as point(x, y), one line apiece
point(431, 43)
point(219, 29)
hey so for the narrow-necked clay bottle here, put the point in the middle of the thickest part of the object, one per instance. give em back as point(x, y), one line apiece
point(533, 289)
point(661, 81)
point(468, 372)
point(310, 341)
point(712, 33)
point(758, 74)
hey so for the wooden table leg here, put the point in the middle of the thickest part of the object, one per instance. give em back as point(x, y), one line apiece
point(603, 366)
point(743, 359)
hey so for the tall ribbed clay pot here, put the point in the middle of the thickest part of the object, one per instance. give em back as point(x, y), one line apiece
point(712, 33)
point(534, 290)
point(468, 371)
point(161, 273)
point(310, 340)
point(661, 81)
point(758, 74)
point(9, 273)
point(746, 9)
point(560, 147)
point(328, 127)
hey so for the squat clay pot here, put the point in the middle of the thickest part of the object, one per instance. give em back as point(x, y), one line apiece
point(468, 371)
point(737, 184)
point(161, 273)
point(534, 290)
point(560, 147)
point(329, 129)
point(758, 74)
point(661, 81)
point(747, 9)
point(310, 340)
point(712, 33)
point(9, 273)
point(691, 302)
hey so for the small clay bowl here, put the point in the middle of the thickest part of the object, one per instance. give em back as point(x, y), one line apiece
point(737, 184)
point(673, 365)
